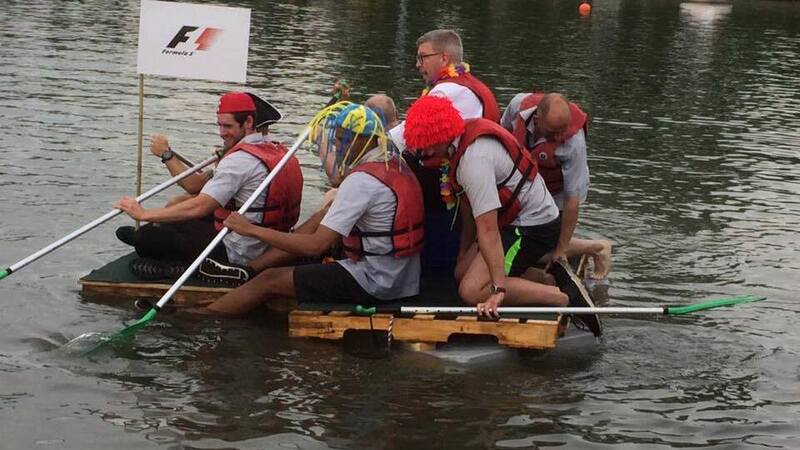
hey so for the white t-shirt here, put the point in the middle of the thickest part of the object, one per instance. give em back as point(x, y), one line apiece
point(571, 154)
point(365, 202)
point(464, 100)
point(236, 177)
point(484, 165)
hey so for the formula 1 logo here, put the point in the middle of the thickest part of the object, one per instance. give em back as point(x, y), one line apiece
point(204, 40)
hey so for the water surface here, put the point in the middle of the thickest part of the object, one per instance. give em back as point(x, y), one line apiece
point(695, 173)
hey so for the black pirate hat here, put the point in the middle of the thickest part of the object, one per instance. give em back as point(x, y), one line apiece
point(266, 114)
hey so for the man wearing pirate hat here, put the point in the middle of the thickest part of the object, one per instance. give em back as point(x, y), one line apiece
point(377, 214)
point(178, 232)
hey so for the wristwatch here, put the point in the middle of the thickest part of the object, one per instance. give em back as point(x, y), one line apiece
point(167, 155)
point(494, 289)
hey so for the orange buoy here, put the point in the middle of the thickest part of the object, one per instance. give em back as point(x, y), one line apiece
point(585, 8)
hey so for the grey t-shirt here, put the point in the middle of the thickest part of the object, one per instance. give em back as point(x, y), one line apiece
point(485, 164)
point(365, 202)
point(571, 154)
point(236, 177)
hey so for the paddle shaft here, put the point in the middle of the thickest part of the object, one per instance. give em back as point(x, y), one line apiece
point(672, 310)
point(100, 220)
point(532, 310)
point(224, 231)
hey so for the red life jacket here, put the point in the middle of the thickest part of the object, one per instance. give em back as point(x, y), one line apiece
point(509, 202)
point(282, 205)
point(490, 109)
point(407, 230)
point(544, 152)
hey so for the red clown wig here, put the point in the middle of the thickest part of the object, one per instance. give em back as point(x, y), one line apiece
point(432, 120)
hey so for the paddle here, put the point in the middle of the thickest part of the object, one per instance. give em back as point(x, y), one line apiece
point(669, 310)
point(100, 220)
point(131, 330)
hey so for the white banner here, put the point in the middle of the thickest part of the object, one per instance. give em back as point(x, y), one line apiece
point(193, 41)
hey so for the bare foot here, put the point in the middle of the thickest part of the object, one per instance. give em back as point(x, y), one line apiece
point(602, 261)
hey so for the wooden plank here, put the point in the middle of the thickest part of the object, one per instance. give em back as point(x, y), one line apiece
point(186, 295)
point(539, 334)
point(333, 326)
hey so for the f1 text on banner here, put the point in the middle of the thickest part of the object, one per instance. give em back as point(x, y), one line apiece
point(193, 41)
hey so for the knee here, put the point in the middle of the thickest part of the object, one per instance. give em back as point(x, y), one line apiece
point(470, 293)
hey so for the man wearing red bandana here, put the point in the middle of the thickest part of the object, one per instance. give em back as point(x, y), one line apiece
point(178, 232)
point(500, 196)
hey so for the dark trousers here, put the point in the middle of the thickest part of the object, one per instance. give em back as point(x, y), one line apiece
point(178, 241)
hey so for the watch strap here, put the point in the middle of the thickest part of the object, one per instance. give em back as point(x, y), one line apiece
point(167, 155)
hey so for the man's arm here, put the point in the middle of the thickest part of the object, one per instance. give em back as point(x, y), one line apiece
point(300, 244)
point(192, 184)
point(575, 170)
point(569, 219)
point(194, 208)
point(491, 248)
point(468, 231)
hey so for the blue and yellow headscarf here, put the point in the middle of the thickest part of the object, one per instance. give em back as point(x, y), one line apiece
point(356, 120)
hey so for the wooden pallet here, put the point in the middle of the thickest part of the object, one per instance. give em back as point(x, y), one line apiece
point(423, 328)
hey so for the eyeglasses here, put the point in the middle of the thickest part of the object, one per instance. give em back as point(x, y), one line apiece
point(421, 57)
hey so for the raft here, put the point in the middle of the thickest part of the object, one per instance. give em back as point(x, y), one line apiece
point(114, 284)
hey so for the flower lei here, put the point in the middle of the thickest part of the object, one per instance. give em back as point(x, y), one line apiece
point(451, 71)
point(445, 186)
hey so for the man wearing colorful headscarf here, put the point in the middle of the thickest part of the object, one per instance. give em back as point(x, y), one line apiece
point(377, 213)
point(180, 231)
point(494, 183)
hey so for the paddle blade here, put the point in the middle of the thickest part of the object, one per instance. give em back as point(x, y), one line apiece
point(125, 334)
point(4, 273)
point(678, 310)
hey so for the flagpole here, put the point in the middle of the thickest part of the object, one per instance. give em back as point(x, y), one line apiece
point(141, 139)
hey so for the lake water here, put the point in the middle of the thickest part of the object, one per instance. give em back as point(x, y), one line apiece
point(695, 177)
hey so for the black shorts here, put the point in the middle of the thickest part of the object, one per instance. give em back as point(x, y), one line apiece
point(329, 283)
point(525, 246)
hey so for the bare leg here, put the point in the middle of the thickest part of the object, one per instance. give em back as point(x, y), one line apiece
point(538, 276)
point(268, 285)
point(474, 288)
point(598, 249)
point(464, 260)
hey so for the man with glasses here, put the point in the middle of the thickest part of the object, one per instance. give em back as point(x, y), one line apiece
point(440, 62)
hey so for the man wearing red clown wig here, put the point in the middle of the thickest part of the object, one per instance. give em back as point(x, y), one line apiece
point(500, 195)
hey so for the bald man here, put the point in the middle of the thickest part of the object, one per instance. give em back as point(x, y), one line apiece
point(554, 130)
point(384, 106)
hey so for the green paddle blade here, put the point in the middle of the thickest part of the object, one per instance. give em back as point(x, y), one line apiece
point(678, 310)
point(126, 334)
point(4, 273)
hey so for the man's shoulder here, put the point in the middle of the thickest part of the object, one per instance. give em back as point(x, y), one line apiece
point(237, 159)
point(449, 88)
point(573, 145)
